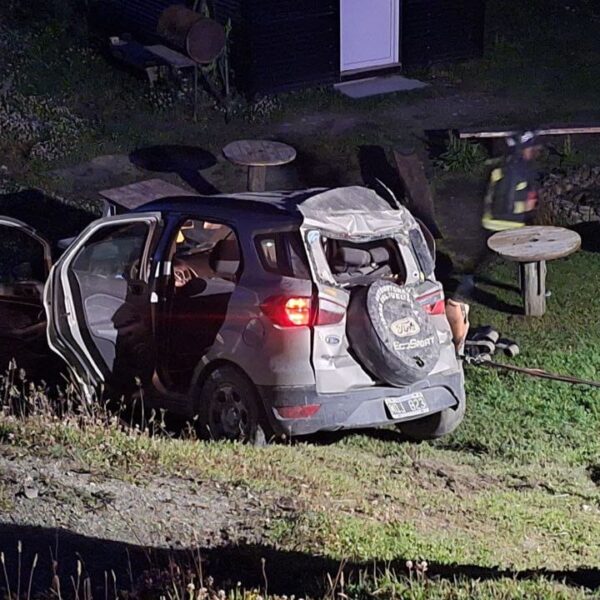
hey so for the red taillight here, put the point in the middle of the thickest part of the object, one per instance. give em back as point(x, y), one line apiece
point(437, 308)
point(286, 311)
point(433, 303)
point(301, 311)
point(298, 412)
point(329, 313)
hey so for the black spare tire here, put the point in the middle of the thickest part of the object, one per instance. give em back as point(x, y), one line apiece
point(391, 334)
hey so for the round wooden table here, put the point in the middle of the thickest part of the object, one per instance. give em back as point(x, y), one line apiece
point(257, 155)
point(531, 247)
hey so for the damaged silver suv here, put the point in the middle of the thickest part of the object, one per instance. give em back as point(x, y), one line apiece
point(282, 313)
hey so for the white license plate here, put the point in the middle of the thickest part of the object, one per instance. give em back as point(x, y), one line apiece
point(407, 406)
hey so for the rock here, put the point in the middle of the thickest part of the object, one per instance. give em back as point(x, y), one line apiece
point(30, 492)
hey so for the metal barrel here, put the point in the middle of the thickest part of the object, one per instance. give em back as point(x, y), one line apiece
point(200, 38)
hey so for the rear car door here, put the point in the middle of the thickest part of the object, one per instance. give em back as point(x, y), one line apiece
point(25, 260)
point(99, 302)
point(335, 368)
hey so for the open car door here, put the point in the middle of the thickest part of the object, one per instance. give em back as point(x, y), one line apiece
point(25, 260)
point(98, 302)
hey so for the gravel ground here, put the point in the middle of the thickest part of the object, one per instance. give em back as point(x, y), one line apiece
point(161, 512)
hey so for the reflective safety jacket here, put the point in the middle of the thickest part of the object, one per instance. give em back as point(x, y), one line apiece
point(511, 199)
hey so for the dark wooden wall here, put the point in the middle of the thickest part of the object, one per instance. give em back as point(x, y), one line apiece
point(277, 45)
point(441, 30)
point(137, 17)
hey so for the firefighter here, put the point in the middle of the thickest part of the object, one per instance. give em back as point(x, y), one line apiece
point(511, 199)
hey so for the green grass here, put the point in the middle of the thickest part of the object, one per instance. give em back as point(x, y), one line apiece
point(512, 488)
point(390, 586)
point(529, 58)
point(5, 499)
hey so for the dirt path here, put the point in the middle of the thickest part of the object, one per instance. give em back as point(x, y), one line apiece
point(160, 512)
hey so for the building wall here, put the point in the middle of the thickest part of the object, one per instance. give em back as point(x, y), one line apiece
point(278, 45)
point(441, 30)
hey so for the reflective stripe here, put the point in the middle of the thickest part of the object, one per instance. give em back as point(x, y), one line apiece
point(497, 225)
point(496, 175)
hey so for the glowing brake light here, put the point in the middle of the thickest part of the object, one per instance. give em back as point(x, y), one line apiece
point(297, 311)
point(286, 311)
point(302, 311)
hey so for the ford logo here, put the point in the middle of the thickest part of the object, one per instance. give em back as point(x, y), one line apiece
point(332, 340)
point(405, 327)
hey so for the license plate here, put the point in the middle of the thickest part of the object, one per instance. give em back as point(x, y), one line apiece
point(407, 406)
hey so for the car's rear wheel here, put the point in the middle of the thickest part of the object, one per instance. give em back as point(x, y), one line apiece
point(230, 408)
point(434, 426)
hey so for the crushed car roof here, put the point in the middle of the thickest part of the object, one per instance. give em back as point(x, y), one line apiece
point(353, 210)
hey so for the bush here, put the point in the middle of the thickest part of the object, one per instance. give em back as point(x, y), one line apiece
point(461, 156)
point(71, 13)
point(43, 128)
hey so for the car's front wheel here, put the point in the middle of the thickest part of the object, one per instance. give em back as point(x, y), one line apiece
point(434, 426)
point(230, 408)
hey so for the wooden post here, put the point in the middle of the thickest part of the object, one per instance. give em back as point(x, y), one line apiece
point(420, 198)
point(257, 178)
point(533, 286)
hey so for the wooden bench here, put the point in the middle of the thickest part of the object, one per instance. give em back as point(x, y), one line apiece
point(531, 247)
point(129, 197)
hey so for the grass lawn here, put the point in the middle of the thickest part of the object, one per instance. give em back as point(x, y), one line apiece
point(515, 488)
point(91, 106)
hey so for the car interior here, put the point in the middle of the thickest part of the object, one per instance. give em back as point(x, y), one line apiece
point(22, 277)
point(355, 264)
point(206, 262)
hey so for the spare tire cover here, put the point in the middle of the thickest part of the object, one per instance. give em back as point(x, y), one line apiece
point(391, 334)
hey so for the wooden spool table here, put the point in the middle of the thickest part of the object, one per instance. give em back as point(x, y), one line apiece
point(257, 155)
point(531, 247)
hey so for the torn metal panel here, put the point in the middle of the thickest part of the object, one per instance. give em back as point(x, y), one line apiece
point(354, 212)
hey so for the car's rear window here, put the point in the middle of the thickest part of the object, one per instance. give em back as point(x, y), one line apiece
point(283, 253)
point(358, 263)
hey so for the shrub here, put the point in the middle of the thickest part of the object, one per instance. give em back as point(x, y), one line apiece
point(461, 156)
point(41, 126)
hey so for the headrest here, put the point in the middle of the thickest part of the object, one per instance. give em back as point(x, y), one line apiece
point(353, 257)
point(380, 255)
point(225, 257)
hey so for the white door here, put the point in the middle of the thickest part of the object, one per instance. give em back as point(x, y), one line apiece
point(369, 33)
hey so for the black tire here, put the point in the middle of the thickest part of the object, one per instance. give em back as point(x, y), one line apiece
point(391, 334)
point(230, 408)
point(434, 426)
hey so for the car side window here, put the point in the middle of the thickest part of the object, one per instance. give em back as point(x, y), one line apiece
point(283, 253)
point(205, 250)
point(114, 252)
